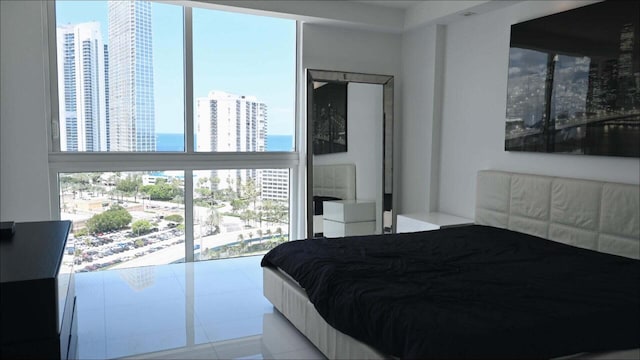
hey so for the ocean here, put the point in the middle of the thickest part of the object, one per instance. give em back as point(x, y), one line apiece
point(279, 143)
point(175, 142)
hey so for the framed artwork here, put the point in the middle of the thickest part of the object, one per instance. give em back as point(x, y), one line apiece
point(329, 118)
point(573, 82)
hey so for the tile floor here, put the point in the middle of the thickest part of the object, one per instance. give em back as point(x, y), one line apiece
point(204, 310)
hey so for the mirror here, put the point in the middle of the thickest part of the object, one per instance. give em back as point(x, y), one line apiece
point(349, 154)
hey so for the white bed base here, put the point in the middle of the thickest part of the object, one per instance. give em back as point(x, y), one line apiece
point(292, 301)
point(597, 215)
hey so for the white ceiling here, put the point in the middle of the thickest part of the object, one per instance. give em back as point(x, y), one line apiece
point(394, 4)
point(375, 15)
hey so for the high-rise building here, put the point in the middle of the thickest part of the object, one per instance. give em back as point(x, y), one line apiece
point(232, 123)
point(627, 80)
point(131, 102)
point(274, 184)
point(82, 87)
point(229, 122)
point(106, 97)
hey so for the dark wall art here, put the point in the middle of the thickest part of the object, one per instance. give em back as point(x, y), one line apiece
point(330, 118)
point(574, 82)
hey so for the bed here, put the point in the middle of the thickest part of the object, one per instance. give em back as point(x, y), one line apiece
point(516, 210)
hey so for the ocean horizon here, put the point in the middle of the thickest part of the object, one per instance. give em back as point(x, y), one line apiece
point(171, 142)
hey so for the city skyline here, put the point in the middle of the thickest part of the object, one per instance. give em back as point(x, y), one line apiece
point(580, 101)
point(264, 66)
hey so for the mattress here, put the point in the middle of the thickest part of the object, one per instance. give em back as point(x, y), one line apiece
point(569, 336)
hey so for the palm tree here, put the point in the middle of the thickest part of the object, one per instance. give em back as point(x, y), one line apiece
point(213, 220)
point(242, 243)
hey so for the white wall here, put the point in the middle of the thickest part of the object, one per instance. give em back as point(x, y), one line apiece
point(341, 49)
point(422, 68)
point(474, 112)
point(364, 143)
point(24, 175)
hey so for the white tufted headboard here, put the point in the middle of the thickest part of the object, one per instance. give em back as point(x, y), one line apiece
point(596, 215)
point(335, 180)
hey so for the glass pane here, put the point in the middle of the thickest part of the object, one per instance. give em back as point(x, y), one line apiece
point(124, 219)
point(239, 212)
point(243, 82)
point(118, 66)
point(568, 107)
point(526, 102)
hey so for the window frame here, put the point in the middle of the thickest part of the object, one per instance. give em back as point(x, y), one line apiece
point(187, 161)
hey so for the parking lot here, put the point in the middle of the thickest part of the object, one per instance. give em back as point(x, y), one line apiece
point(106, 250)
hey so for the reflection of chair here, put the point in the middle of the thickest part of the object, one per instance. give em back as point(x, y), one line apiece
point(337, 181)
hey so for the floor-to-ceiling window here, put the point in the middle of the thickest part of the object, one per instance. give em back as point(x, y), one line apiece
point(172, 131)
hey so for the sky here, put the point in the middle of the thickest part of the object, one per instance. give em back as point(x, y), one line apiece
point(237, 53)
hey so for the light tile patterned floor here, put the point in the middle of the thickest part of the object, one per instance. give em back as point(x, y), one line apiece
point(205, 310)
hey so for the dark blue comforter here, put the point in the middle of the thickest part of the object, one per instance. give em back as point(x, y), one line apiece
point(468, 292)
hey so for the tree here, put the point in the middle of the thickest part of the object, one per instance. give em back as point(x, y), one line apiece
point(95, 177)
point(162, 191)
point(78, 183)
point(274, 212)
point(116, 178)
point(239, 205)
point(205, 194)
point(213, 220)
point(81, 232)
point(207, 190)
point(67, 184)
point(141, 227)
point(127, 185)
point(247, 216)
point(242, 242)
point(250, 192)
point(130, 185)
point(227, 194)
point(115, 218)
point(176, 218)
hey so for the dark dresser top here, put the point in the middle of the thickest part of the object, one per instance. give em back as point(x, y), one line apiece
point(34, 252)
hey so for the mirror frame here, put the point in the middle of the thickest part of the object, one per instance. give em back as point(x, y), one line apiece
point(387, 137)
